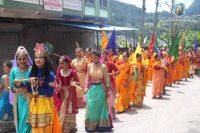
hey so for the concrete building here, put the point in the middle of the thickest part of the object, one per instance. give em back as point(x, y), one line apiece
point(26, 22)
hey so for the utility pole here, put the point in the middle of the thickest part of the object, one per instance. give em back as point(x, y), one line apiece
point(172, 20)
point(142, 25)
point(156, 17)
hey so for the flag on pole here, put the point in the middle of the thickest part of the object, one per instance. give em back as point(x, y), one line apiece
point(156, 49)
point(174, 49)
point(104, 40)
point(112, 43)
point(186, 44)
point(181, 47)
point(151, 45)
point(195, 45)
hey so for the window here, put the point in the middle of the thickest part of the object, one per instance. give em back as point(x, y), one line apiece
point(103, 3)
point(90, 2)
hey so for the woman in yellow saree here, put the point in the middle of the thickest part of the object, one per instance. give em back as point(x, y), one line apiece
point(139, 80)
point(123, 81)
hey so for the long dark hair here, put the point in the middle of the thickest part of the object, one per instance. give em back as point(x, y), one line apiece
point(46, 70)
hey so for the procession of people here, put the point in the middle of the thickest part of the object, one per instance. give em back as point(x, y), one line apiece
point(38, 99)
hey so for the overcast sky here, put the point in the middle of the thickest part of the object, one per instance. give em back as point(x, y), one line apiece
point(150, 4)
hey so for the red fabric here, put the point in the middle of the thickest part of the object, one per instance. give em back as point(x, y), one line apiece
point(151, 45)
point(56, 101)
point(111, 67)
point(65, 81)
point(157, 67)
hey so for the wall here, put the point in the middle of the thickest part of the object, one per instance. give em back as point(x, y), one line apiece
point(64, 42)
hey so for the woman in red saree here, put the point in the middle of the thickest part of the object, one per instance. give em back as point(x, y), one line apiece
point(112, 71)
point(65, 80)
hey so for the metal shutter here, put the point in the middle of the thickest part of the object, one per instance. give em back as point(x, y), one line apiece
point(8, 47)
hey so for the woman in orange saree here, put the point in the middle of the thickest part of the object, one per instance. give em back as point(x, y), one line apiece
point(149, 66)
point(123, 81)
point(139, 81)
point(158, 78)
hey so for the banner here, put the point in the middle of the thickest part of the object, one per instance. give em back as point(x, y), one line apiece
point(53, 5)
point(73, 4)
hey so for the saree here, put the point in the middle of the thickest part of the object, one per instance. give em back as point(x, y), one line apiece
point(124, 93)
point(158, 78)
point(140, 87)
point(97, 116)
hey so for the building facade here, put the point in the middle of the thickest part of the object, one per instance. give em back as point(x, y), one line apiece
point(26, 22)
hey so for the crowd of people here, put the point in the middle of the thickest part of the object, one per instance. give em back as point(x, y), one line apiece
point(41, 101)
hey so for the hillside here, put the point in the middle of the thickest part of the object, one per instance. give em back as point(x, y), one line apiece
point(194, 8)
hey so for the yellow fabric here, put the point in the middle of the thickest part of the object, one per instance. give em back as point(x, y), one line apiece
point(104, 40)
point(131, 58)
point(47, 129)
point(137, 51)
point(156, 63)
point(150, 68)
point(41, 113)
point(140, 84)
point(123, 92)
point(42, 106)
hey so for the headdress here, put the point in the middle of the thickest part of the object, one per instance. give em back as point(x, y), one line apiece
point(66, 59)
point(21, 50)
point(40, 48)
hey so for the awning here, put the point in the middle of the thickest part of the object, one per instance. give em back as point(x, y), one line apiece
point(101, 27)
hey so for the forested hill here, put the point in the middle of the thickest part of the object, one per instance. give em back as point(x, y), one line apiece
point(123, 14)
point(194, 9)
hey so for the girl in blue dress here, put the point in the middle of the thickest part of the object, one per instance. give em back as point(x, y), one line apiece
point(5, 107)
point(19, 84)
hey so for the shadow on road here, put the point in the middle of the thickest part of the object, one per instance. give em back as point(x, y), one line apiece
point(175, 86)
point(164, 98)
point(167, 94)
point(180, 92)
point(168, 90)
point(117, 120)
point(131, 111)
point(146, 107)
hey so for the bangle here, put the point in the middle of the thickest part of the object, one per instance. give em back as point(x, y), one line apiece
point(34, 90)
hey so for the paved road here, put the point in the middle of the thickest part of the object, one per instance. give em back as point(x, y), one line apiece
point(177, 112)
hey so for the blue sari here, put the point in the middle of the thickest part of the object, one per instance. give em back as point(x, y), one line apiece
point(5, 106)
point(21, 101)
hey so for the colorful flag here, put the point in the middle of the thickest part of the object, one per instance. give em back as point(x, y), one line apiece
point(156, 49)
point(151, 45)
point(104, 40)
point(112, 43)
point(186, 44)
point(174, 49)
point(181, 47)
point(195, 45)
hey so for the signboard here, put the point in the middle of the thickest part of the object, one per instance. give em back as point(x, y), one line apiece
point(73, 4)
point(53, 5)
point(29, 1)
